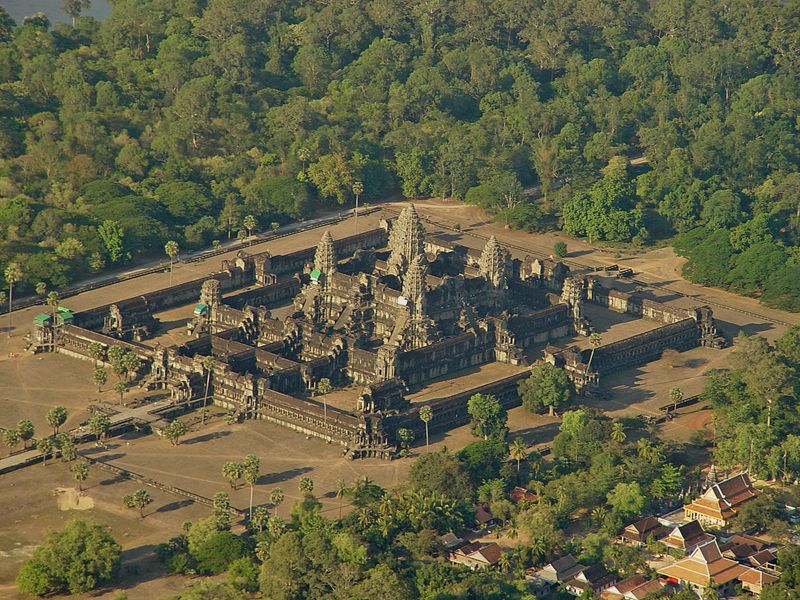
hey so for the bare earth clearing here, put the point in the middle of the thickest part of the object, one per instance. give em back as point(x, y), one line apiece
point(29, 385)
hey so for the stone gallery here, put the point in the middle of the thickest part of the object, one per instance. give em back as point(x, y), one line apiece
point(382, 314)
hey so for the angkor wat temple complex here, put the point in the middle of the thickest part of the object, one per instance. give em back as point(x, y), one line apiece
point(382, 313)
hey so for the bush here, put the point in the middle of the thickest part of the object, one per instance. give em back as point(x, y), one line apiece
point(560, 249)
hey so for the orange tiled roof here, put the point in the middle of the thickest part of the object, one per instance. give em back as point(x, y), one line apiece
point(722, 500)
point(705, 564)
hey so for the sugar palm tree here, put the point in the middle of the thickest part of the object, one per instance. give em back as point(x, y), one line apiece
point(425, 415)
point(518, 451)
point(342, 490)
point(249, 223)
point(252, 468)
point(358, 189)
point(80, 472)
point(45, 447)
point(11, 439)
point(13, 274)
point(276, 497)
point(324, 387)
point(96, 351)
point(306, 485)
point(676, 395)
point(171, 249)
point(56, 417)
point(595, 340)
point(618, 432)
point(233, 472)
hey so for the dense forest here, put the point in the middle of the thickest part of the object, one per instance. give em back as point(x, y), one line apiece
point(173, 119)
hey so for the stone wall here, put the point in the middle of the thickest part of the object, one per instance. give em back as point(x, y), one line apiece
point(451, 411)
point(75, 341)
point(267, 295)
point(645, 347)
point(232, 277)
point(633, 304)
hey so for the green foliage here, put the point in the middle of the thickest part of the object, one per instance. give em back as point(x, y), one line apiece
point(75, 560)
point(489, 418)
point(482, 460)
point(441, 473)
point(217, 552)
point(547, 386)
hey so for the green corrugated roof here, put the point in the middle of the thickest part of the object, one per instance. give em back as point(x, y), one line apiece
point(201, 308)
point(315, 274)
point(41, 319)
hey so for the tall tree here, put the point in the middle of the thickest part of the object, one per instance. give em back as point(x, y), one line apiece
point(425, 415)
point(252, 471)
point(488, 416)
point(518, 450)
point(171, 249)
point(13, 274)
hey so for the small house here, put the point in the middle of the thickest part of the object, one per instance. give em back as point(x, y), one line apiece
point(477, 555)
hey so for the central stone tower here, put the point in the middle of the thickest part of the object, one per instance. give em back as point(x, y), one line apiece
point(406, 241)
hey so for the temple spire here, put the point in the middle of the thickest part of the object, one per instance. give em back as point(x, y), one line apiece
point(325, 256)
point(406, 240)
point(493, 263)
point(414, 284)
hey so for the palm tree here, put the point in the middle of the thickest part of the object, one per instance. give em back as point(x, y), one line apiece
point(518, 451)
point(324, 387)
point(26, 431)
point(56, 417)
point(676, 395)
point(139, 499)
point(306, 485)
point(618, 432)
point(342, 490)
point(99, 425)
point(96, 351)
point(249, 223)
point(11, 438)
point(425, 415)
point(358, 189)
point(252, 468)
point(504, 562)
point(303, 155)
point(100, 377)
point(595, 340)
point(41, 288)
point(208, 366)
point(45, 447)
point(53, 300)
point(171, 249)
point(121, 388)
point(13, 274)
point(232, 471)
point(276, 497)
point(80, 471)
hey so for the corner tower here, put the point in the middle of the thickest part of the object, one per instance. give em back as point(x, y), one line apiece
point(492, 264)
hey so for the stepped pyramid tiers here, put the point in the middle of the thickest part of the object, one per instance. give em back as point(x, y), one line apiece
point(325, 256)
point(414, 284)
point(406, 241)
point(492, 264)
